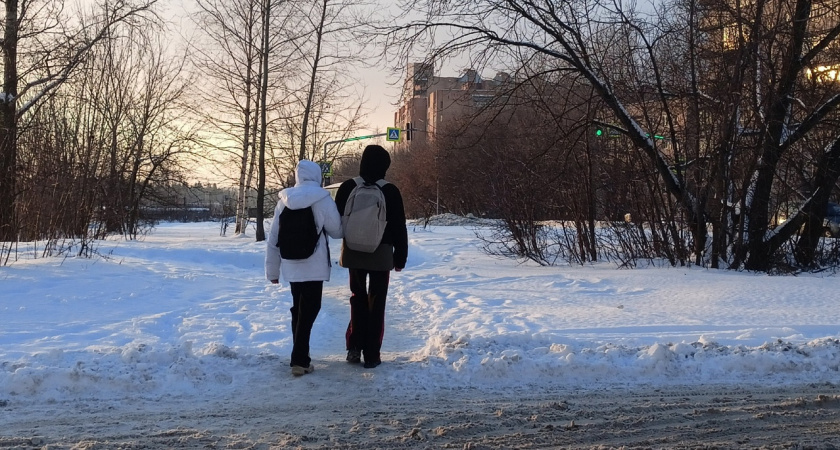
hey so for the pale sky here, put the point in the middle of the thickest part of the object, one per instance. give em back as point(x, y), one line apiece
point(382, 95)
point(379, 84)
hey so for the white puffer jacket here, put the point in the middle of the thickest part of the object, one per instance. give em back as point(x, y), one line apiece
point(307, 191)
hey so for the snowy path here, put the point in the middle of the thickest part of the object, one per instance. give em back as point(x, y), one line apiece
point(178, 341)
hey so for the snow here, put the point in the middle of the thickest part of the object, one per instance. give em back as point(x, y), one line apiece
point(186, 312)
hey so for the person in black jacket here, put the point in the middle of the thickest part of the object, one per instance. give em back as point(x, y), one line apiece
point(370, 272)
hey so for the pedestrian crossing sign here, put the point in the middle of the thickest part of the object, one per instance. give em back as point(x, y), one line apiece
point(393, 134)
point(326, 168)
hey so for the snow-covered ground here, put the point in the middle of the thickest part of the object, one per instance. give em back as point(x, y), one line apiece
point(186, 314)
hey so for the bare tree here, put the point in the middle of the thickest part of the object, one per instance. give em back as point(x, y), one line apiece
point(325, 59)
point(89, 150)
point(766, 49)
point(157, 138)
point(263, 89)
point(316, 60)
point(232, 61)
point(41, 48)
point(265, 59)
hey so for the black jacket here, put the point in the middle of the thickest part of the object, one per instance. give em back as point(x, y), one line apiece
point(374, 164)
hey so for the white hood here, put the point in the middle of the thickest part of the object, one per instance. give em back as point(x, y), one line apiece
point(307, 189)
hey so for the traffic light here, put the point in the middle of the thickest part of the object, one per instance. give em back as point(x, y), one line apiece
point(408, 131)
point(599, 132)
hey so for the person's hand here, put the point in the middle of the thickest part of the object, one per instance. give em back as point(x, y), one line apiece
point(275, 281)
point(398, 269)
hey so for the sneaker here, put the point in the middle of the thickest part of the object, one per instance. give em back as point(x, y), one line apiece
point(354, 356)
point(300, 370)
point(372, 364)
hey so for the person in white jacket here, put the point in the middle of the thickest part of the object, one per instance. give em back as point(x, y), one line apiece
point(305, 276)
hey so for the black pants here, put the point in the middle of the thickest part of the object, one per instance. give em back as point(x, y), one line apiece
point(367, 312)
point(306, 304)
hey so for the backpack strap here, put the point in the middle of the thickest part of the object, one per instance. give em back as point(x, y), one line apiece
point(323, 234)
point(361, 181)
point(327, 243)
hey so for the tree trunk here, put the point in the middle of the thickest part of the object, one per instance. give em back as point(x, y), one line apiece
point(828, 172)
point(8, 127)
point(242, 197)
point(260, 234)
point(761, 248)
point(249, 175)
point(309, 100)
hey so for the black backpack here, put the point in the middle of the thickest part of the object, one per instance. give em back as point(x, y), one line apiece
point(298, 236)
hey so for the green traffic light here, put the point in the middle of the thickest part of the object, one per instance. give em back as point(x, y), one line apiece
point(599, 132)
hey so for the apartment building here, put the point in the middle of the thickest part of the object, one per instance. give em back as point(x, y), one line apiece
point(430, 102)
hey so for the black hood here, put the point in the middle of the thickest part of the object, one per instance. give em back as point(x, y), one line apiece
point(375, 162)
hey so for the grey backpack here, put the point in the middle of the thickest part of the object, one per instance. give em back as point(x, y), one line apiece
point(364, 215)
